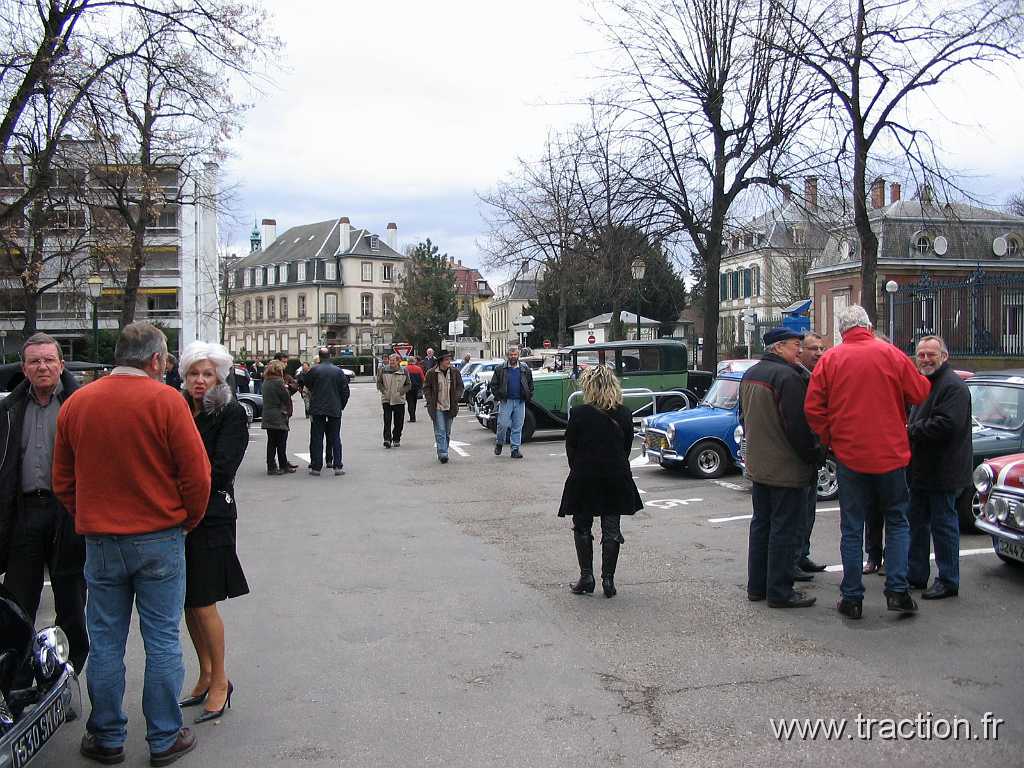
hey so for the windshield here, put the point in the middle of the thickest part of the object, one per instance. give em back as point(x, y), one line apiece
point(724, 393)
point(997, 405)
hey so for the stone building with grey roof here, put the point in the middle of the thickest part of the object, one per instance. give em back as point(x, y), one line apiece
point(508, 304)
point(326, 283)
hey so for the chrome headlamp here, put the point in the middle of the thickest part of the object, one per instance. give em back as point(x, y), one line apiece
point(670, 432)
point(983, 479)
point(737, 434)
point(1001, 507)
point(50, 650)
point(644, 422)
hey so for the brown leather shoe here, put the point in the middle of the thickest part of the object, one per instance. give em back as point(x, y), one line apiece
point(105, 755)
point(871, 567)
point(184, 744)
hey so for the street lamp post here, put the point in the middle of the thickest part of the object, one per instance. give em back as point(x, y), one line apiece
point(891, 287)
point(94, 285)
point(638, 268)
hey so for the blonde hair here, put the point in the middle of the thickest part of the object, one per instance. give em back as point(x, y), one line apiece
point(274, 370)
point(601, 388)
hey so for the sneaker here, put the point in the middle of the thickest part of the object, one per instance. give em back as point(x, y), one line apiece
point(105, 755)
point(516, 454)
point(184, 744)
point(497, 449)
point(314, 472)
point(852, 609)
point(397, 444)
point(901, 602)
point(338, 471)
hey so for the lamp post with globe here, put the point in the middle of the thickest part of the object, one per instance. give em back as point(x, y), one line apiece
point(639, 268)
point(891, 287)
point(94, 286)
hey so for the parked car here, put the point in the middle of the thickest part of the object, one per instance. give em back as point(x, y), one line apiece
point(30, 716)
point(735, 366)
point(997, 406)
point(999, 483)
point(658, 366)
point(477, 379)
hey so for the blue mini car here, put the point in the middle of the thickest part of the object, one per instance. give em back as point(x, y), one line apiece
point(706, 439)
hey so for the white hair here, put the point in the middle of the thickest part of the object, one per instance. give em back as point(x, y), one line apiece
point(852, 317)
point(201, 350)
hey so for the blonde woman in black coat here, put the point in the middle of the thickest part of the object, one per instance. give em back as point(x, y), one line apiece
point(600, 482)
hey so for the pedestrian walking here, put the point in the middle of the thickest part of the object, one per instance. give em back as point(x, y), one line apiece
point(329, 392)
point(811, 349)
point(36, 532)
point(857, 403)
point(415, 392)
point(600, 482)
point(442, 391)
point(393, 384)
point(303, 389)
point(512, 386)
point(277, 410)
point(212, 570)
point(941, 459)
point(782, 457)
point(130, 467)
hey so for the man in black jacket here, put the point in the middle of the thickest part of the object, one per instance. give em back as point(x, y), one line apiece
point(328, 396)
point(941, 457)
point(35, 530)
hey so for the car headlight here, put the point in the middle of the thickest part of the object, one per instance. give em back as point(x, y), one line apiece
point(988, 512)
point(983, 479)
point(737, 434)
point(1018, 514)
point(51, 651)
point(670, 433)
point(1002, 509)
point(644, 422)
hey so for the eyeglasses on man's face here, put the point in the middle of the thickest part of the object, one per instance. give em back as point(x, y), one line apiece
point(43, 362)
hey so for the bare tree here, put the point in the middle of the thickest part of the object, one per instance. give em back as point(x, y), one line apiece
point(1015, 204)
point(712, 110)
point(875, 57)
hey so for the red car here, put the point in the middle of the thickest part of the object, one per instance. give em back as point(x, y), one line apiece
point(1000, 484)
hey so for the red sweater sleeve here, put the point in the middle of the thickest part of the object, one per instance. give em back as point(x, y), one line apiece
point(916, 387)
point(816, 403)
point(63, 472)
point(194, 472)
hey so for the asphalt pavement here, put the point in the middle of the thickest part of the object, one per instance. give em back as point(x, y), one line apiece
point(414, 614)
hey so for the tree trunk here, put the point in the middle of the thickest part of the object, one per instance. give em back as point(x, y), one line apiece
point(133, 275)
point(30, 325)
point(866, 235)
point(563, 314)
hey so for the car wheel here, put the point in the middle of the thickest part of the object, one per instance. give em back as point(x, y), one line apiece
point(828, 480)
point(529, 426)
point(250, 412)
point(968, 508)
point(707, 460)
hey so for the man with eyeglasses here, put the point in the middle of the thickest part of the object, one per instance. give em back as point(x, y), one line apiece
point(811, 349)
point(35, 529)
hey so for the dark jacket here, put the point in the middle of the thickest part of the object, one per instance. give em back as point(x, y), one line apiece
point(498, 385)
point(941, 448)
point(224, 428)
point(173, 378)
point(781, 449)
point(277, 404)
point(328, 389)
point(454, 393)
point(597, 445)
point(69, 552)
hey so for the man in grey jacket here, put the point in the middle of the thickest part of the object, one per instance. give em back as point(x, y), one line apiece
point(393, 383)
point(328, 396)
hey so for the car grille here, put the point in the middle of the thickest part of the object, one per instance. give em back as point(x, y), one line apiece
point(1016, 506)
point(656, 441)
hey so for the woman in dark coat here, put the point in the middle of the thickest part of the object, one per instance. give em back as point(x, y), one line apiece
point(277, 409)
point(212, 570)
point(600, 482)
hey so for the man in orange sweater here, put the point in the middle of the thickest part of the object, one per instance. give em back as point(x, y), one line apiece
point(129, 465)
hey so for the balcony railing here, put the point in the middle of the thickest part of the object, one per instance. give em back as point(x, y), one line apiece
point(335, 318)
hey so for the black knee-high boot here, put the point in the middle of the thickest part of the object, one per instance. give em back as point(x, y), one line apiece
point(585, 555)
point(609, 558)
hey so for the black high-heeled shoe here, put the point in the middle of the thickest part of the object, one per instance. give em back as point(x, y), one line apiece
point(194, 701)
point(214, 714)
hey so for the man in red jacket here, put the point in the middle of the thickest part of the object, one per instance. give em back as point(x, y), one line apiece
point(129, 465)
point(857, 402)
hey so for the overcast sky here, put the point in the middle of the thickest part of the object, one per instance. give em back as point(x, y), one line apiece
point(404, 111)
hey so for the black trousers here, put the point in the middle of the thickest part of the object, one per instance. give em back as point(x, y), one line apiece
point(775, 528)
point(277, 448)
point(395, 413)
point(410, 402)
point(32, 547)
point(321, 429)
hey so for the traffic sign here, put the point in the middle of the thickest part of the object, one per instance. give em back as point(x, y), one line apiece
point(456, 328)
point(524, 329)
point(524, 320)
point(591, 339)
point(547, 343)
point(403, 348)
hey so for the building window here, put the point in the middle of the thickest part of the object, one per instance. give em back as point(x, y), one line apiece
point(285, 342)
point(723, 286)
point(374, 243)
point(367, 271)
point(271, 275)
point(272, 343)
point(331, 271)
point(282, 273)
point(798, 236)
point(1012, 247)
point(247, 307)
point(747, 284)
point(388, 273)
point(270, 308)
point(923, 245)
point(302, 272)
point(247, 278)
point(735, 284)
point(259, 310)
point(248, 343)
point(259, 276)
point(301, 306)
point(331, 303)
point(261, 343)
point(366, 305)
point(387, 304)
point(282, 304)
point(233, 280)
point(232, 317)
point(756, 279)
point(233, 344)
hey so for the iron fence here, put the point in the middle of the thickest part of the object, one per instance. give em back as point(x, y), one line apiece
point(978, 316)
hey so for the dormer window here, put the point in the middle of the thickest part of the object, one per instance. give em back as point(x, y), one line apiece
point(374, 243)
point(923, 245)
point(1012, 247)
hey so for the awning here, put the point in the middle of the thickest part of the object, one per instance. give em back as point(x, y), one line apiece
point(798, 308)
point(142, 291)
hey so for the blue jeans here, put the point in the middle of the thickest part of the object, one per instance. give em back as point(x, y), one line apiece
point(511, 414)
point(442, 431)
point(858, 494)
point(933, 515)
point(149, 569)
point(774, 529)
point(319, 428)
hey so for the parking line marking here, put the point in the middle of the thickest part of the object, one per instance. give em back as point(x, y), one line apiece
point(730, 486)
point(639, 461)
point(728, 519)
point(828, 509)
point(963, 553)
point(304, 456)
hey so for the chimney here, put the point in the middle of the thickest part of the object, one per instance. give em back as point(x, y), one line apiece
point(811, 192)
point(268, 232)
point(391, 238)
point(894, 192)
point(344, 234)
point(878, 193)
point(787, 193)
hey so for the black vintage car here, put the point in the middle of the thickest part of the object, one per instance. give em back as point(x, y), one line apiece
point(39, 691)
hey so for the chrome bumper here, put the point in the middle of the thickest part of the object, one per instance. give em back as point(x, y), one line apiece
point(994, 529)
point(67, 689)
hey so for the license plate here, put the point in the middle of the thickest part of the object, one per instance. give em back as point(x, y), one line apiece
point(44, 725)
point(1010, 549)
